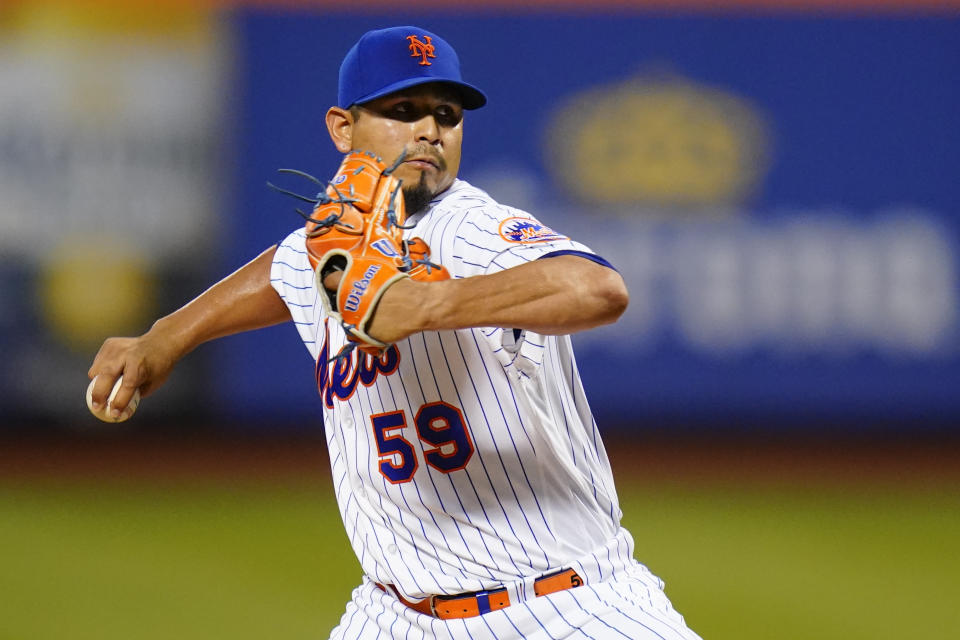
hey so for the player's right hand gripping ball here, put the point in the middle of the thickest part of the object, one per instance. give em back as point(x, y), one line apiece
point(104, 413)
point(357, 227)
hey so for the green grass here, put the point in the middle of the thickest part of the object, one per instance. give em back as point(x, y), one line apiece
point(186, 562)
point(214, 560)
point(795, 564)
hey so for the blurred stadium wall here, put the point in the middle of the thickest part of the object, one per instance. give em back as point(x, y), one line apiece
point(777, 182)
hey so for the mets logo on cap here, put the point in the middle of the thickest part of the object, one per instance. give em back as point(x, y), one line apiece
point(527, 230)
point(422, 49)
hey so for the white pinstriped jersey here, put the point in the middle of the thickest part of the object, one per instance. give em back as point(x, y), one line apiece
point(463, 460)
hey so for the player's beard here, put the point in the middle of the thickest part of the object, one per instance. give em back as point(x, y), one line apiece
point(417, 197)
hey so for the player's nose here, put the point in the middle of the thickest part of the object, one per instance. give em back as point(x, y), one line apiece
point(427, 130)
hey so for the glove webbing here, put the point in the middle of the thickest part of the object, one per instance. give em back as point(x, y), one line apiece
point(323, 197)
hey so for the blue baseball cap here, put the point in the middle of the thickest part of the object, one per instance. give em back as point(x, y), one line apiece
point(387, 60)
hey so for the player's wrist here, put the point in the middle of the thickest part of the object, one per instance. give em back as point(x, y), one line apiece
point(173, 337)
point(436, 306)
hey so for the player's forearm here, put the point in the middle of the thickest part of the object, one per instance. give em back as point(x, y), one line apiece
point(559, 295)
point(242, 301)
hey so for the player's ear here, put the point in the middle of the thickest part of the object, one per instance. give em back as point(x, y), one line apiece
point(340, 128)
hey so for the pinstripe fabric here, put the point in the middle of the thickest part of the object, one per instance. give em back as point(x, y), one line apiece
point(466, 460)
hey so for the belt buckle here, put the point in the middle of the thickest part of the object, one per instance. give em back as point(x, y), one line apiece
point(433, 609)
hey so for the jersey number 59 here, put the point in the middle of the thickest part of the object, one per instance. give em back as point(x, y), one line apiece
point(440, 426)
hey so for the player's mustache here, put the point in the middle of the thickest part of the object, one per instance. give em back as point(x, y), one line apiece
point(426, 152)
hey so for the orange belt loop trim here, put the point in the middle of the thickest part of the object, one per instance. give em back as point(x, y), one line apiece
point(470, 605)
point(567, 579)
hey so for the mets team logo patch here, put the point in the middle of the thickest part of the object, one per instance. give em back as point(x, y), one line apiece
point(527, 230)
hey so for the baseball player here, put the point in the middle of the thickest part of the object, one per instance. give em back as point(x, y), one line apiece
point(468, 469)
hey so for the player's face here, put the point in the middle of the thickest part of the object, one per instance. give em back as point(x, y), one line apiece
point(427, 122)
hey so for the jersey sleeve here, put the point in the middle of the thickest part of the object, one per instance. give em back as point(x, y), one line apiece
point(500, 238)
point(496, 238)
point(292, 277)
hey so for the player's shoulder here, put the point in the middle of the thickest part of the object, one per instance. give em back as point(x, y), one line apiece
point(294, 242)
point(462, 196)
point(291, 252)
point(474, 206)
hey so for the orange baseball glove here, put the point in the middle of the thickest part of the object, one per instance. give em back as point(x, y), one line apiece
point(357, 227)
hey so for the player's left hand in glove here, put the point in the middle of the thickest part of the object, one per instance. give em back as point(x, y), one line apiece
point(417, 252)
point(356, 227)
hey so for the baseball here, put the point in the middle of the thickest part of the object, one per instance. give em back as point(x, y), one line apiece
point(104, 413)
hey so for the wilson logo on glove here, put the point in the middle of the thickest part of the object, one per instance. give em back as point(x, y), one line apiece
point(359, 288)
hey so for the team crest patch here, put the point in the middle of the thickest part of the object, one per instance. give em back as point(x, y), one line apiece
point(527, 230)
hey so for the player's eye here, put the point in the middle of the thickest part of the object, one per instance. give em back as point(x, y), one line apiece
point(447, 116)
point(403, 111)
